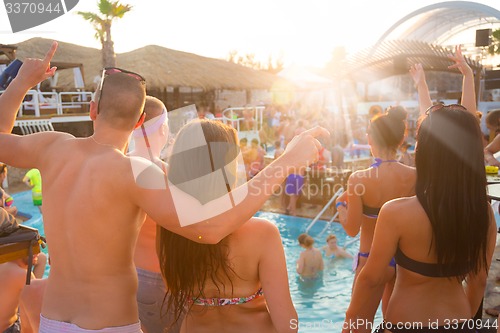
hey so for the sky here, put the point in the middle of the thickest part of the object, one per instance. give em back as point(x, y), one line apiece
point(298, 31)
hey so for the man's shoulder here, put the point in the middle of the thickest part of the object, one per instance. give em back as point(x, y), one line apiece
point(54, 139)
point(55, 135)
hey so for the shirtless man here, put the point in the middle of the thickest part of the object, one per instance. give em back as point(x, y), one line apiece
point(151, 291)
point(94, 206)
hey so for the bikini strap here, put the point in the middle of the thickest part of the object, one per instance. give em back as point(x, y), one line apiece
point(379, 161)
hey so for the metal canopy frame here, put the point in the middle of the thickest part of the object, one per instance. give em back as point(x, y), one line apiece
point(395, 57)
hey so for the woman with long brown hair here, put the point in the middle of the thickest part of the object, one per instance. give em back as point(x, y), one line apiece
point(441, 237)
point(239, 284)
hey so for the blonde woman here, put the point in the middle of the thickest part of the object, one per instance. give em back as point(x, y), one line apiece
point(310, 262)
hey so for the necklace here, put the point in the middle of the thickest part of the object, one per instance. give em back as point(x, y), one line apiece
point(103, 144)
point(379, 161)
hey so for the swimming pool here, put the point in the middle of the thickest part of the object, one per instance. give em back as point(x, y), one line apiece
point(320, 303)
point(24, 204)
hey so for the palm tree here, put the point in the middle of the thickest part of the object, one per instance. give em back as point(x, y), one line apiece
point(108, 11)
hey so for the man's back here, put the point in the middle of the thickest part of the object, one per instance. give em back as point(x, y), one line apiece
point(90, 223)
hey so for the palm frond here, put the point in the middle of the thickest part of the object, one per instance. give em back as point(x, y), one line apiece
point(89, 16)
point(105, 7)
point(121, 10)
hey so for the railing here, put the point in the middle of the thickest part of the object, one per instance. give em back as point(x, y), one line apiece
point(39, 103)
point(236, 116)
point(332, 199)
point(34, 126)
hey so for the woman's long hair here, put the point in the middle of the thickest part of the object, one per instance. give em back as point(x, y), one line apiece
point(451, 187)
point(186, 265)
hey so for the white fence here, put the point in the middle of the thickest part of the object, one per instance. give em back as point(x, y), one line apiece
point(39, 103)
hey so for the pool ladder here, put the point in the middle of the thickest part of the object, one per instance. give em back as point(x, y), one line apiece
point(328, 204)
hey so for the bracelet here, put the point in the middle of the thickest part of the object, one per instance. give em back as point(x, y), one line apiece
point(341, 203)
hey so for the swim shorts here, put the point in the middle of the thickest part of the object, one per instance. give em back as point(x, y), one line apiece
point(150, 295)
point(294, 184)
point(51, 326)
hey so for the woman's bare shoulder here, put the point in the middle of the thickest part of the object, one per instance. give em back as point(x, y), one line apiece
point(400, 203)
point(401, 208)
point(259, 226)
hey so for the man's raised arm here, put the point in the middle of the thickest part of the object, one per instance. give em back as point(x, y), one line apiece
point(210, 222)
point(30, 74)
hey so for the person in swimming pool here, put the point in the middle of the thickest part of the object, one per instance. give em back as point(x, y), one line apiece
point(441, 237)
point(310, 262)
point(96, 199)
point(239, 284)
point(333, 251)
point(367, 190)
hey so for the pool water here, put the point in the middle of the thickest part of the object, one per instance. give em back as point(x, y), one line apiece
point(321, 304)
point(24, 204)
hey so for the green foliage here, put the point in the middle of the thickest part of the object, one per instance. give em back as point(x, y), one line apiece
point(101, 21)
point(494, 47)
point(108, 10)
point(113, 9)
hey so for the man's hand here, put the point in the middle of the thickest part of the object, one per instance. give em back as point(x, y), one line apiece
point(34, 71)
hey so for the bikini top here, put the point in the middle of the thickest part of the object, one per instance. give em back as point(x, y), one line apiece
point(226, 301)
point(370, 211)
point(331, 256)
point(426, 269)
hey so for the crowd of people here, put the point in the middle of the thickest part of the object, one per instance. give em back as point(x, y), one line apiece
point(175, 245)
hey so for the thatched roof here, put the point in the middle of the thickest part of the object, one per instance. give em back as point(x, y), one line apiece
point(165, 67)
point(66, 53)
point(161, 67)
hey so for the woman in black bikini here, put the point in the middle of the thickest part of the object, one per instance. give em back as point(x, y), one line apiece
point(369, 189)
point(439, 238)
point(239, 284)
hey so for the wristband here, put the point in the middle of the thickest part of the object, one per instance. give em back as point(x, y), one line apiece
point(341, 203)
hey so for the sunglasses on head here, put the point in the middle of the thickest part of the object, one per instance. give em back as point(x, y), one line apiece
point(440, 106)
point(114, 70)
